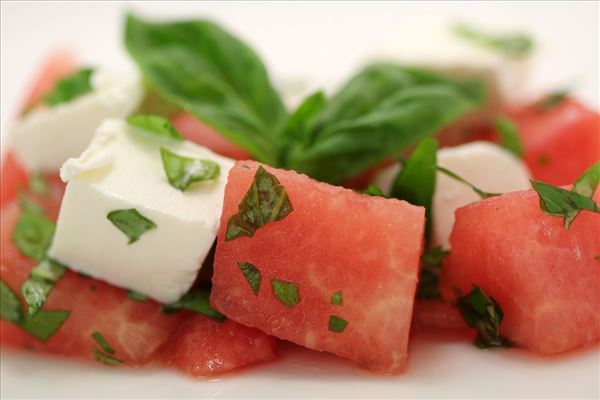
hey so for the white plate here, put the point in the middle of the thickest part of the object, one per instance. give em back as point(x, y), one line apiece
point(319, 44)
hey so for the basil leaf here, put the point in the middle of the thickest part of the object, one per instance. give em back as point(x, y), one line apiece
point(337, 299)
point(480, 193)
point(155, 125)
point(415, 182)
point(205, 70)
point(135, 296)
point(286, 292)
point(196, 300)
point(97, 336)
point(183, 171)
point(33, 233)
point(485, 315)
point(585, 185)
point(29, 206)
point(509, 135)
point(40, 283)
point(266, 201)
point(70, 87)
point(430, 272)
point(131, 223)
point(381, 112)
point(252, 275)
point(106, 358)
point(552, 100)
point(38, 185)
point(337, 324)
point(373, 190)
point(11, 309)
point(513, 45)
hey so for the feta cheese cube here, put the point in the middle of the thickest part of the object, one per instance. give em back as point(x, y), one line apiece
point(121, 170)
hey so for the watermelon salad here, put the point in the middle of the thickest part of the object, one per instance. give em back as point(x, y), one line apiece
point(186, 216)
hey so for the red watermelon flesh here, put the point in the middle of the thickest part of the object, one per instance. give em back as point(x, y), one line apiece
point(544, 277)
point(437, 315)
point(333, 240)
point(202, 347)
point(13, 177)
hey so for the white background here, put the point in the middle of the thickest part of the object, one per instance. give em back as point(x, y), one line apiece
point(319, 44)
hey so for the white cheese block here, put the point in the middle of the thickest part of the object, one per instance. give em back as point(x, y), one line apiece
point(122, 169)
point(484, 164)
point(46, 137)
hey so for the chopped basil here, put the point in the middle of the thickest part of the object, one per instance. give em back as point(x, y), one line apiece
point(10, 306)
point(337, 324)
point(29, 206)
point(70, 87)
point(97, 336)
point(196, 300)
point(483, 313)
point(513, 45)
point(337, 299)
point(509, 135)
point(38, 185)
point(33, 233)
point(106, 358)
point(585, 185)
point(155, 125)
point(430, 272)
point(552, 100)
point(286, 292)
point(252, 275)
point(266, 201)
point(481, 193)
point(135, 296)
point(183, 171)
point(131, 223)
point(373, 190)
point(40, 283)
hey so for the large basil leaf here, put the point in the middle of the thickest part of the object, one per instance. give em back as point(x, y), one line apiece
point(205, 70)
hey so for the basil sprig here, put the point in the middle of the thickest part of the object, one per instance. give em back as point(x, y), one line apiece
point(456, 177)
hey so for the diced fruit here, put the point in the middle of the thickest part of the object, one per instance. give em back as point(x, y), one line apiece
point(13, 178)
point(203, 347)
point(544, 277)
point(335, 272)
point(195, 131)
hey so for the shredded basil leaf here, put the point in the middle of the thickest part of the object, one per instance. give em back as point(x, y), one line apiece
point(40, 283)
point(373, 190)
point(252, 275)
point(38, 185)
point(429, 276)
point(97, 336)
point(585, 185)
point(483, 313)
point(183, 171)
point(33, 233)
point(106, 358)
point(11, 309)
point(131, 223)
point(552, 100)
point(337, 324)
point(286, 292)
point(135, 296)
point(70, 87)
point(155, 125)
point(480, 193)
point(266, 201)
point(196, 300)
point(509, 135)
point(513, 45)
point(337, 299)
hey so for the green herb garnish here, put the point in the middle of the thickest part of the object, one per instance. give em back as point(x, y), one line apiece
point(106, 358)
point(266, 201)
point(337, 324)
point(42, 279)
point(509, 135)
point(97, 336)
point(183, 171)
point(373, 190)
point(337, 299)
point(11, 309)
point(430, 272)
point(38, 185)
point(286, 292)
point(480, 193)
point(485, 315)
point(513, 45)
point(155, 125)
point(29, 206)
point(252, 275)
point(552, 100)
point(131, 223)
point(33, 233)
point(196, 300)
point(135, 296)
point(70, 87)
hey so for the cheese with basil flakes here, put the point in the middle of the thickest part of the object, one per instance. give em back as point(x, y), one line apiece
point(48, 135)
point(121, 220)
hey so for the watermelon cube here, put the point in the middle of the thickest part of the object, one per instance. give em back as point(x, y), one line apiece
point(334, 271)
point(545, 278)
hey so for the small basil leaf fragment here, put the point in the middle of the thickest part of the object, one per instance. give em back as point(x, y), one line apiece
point(512, 45)
point(40, 283)
point(480, 193)
point(373, 190)
point(252, 275)
point(286, 292)
point(135, 296)
point(266, 201)
point(70, 87)
point(97, 336)
point(11, 309)
point(156, 125)
point(585, 185)
point(430, 272)
point(483, 313)
point(131, 223)
point(106, 359)
point(33, 233)
point(183, 171)
point(552, 100)
point(337, 324)
point(29, 206)
point(509, 135)
point(196, 300)
point(38, 185)
point(337, 299)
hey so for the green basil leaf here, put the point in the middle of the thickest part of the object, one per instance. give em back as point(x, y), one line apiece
point(97, 336)
point(373, 190)
point(513, 44)
point(106, 358)
point(135, 296)
point(38, 185)
point(29, 206)
point(33, 233)
point(156, 125)
point(44, 323)
point(11, 309)
point(483, 313)
point(205, 70)
point(432, 260)
point(131, 223)
point(585, 185)
point(196, 300)
point(509, 135)
point(266, 201)
point(552, 100)
point(183, 171)
point(480, 193)
point(337, 299)
point(252, 275)
point(337, 324)
point(40, 283)
point(70, 87)
point(286, 292)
